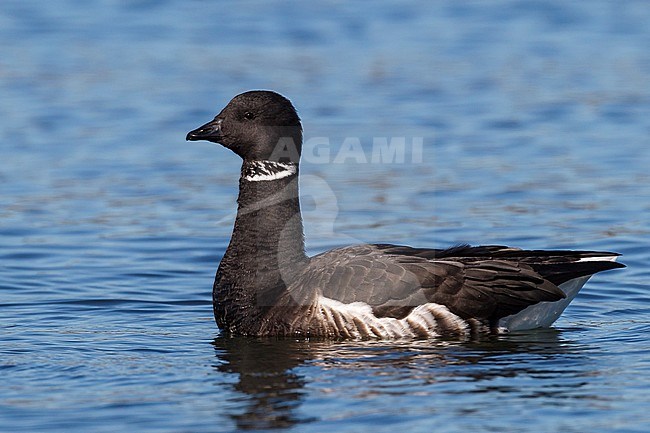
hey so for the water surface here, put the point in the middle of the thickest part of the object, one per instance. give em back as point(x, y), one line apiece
point(534, 118)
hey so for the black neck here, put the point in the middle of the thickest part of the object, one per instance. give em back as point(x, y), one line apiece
point(266, 250)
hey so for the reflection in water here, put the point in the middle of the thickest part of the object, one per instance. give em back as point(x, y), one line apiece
point(275, 375)
point(266, 378)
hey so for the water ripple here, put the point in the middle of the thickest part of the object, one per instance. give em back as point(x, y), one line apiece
point(534, 119)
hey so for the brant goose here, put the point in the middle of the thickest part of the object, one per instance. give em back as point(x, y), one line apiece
point(267, 286)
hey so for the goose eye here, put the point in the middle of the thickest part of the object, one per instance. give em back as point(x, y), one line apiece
point(249, 115)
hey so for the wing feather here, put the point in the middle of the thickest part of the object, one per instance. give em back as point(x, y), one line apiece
point(393, 280)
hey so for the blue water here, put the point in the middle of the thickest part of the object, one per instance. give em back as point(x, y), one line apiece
point(535, 121)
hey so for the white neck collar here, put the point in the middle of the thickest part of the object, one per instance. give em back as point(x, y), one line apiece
point(256, 171)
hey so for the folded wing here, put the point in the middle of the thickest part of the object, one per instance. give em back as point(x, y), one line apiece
point(484, 283)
